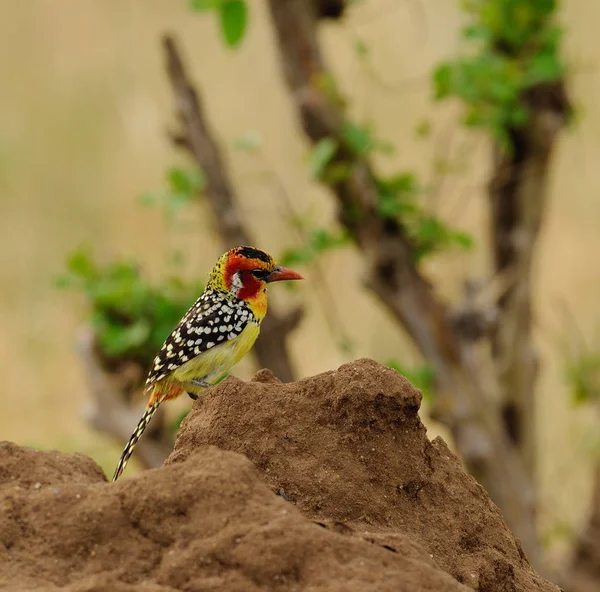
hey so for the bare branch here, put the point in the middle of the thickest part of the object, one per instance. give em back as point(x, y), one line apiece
point(330, 9)
point(478, 316)
point(198, 139)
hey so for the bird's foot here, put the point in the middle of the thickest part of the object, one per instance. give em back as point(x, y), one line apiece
point(200, 383)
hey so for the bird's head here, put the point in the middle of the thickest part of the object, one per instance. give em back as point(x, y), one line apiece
point(244, 272)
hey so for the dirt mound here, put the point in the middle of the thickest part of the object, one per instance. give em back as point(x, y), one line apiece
point(365, 502)
point(210, 523)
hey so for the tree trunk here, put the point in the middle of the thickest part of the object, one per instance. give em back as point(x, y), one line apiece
point(517, 193)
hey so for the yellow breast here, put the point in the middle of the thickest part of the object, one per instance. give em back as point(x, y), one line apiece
point(213, 363)
point(258, 304)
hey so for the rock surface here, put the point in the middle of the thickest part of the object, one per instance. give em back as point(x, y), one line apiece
point(364, 502)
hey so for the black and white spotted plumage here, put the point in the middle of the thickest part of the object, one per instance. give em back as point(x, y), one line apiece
point(213, 319)
point(137, 434)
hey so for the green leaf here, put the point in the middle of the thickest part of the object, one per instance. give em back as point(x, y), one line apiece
point(201, 5)
point(117, 340)
point(519, 116)
point(184, 181)
point(463, 239)
point(323, 239)
point(326, 83)
point(583, 376)
point(221, 378)
point(442, 81)
point(544, 67)
point(233, 17)
point(320, 156)
point(515, 46)
point(80, 264)
point(422, 377)
point(402, 183)
point(476, 31)
point(318, 242)
point(296, 256)
point(130, 316)
point(183, 186)
point(357, 138)
point(397, 196)
point(361, 48)
point(430, 230)
point(337, 172)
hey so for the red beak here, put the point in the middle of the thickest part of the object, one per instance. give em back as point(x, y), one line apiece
point(282, 273)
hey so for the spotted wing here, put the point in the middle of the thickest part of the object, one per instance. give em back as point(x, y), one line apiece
point(212, 320)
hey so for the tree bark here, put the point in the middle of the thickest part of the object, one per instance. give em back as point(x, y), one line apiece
point(517, 194)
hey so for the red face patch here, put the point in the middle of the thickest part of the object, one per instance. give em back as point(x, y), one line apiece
point(251, 286)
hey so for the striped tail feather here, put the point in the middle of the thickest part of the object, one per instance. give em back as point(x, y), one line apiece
point(137, 434)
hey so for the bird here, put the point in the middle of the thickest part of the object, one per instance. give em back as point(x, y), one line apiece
point(217, 331)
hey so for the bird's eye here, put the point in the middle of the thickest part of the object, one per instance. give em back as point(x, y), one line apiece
point(260, 274)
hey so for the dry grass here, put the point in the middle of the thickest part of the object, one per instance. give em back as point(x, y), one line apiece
point(83, 114)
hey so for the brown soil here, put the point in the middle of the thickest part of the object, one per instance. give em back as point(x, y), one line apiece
point(365, 502)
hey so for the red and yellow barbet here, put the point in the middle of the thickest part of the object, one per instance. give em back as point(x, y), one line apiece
point(214, 335)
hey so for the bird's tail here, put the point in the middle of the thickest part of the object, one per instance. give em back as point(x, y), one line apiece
point(137, 434)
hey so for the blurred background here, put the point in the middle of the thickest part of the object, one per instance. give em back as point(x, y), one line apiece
point(85, 109)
